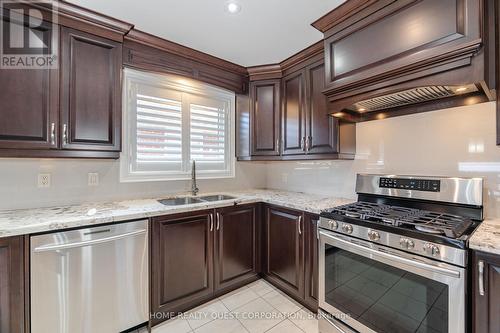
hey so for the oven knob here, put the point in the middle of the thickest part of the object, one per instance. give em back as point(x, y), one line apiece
point(407, 243)
point(347, 228)
point(431, 249)
point(333, 224)
point(373, 235)
point(403, 242)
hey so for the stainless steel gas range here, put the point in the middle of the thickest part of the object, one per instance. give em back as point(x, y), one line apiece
point(396, 260)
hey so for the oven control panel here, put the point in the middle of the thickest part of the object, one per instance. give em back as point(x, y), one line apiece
point(427, 185)
point(416, 246)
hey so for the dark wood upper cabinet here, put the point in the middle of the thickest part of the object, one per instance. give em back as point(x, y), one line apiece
point(181, 262)
point(293, 113)
point(74, 110)
point(284, 249)
point(486, 293)
point(311, 261)
point(12, 286)
point(265, 117)
point(322, 128)
point(90, 92)
point(29, 102)
point(304, 129)
point(236, 245)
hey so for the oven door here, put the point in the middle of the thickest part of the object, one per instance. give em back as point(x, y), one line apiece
point(373, 288)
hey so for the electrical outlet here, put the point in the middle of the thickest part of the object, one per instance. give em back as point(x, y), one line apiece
point(44, 180)
point(93, 179)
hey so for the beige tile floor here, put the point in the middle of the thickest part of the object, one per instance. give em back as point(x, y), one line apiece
point(256, 308)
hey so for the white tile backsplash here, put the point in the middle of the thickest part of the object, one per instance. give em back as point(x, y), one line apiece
point(69, 182)
point(452, 142)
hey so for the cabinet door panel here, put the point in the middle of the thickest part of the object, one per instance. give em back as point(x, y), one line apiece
point(322, 128)
point(90, 92)
point(265, 96)
point(293, 114)
point(182, 262)
point(311, 261)
point(29, 104)
point(487, 306)
point(12, 313)
point(236, 245)
point(284, 250)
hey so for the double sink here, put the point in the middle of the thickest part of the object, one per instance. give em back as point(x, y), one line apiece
point(194, 200)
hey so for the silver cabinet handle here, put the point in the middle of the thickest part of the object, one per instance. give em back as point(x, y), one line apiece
point(65, 134)
point(317, 229)
point(211, 217)
point(299, 225)
point(218, 221)
point(53, 133)
point(303, 143)
point(278, 145)
point(90, 242)
point(308, 143)
point(480, 268)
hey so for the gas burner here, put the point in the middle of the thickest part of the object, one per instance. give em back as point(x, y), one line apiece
point(428, 230)
point(429, 222)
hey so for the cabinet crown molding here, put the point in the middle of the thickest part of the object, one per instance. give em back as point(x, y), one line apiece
point(164, 45)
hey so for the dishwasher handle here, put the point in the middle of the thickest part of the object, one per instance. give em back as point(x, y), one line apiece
point(47, 248)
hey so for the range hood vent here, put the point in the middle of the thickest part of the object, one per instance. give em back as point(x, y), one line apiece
point(394, 58)
point(411, 96)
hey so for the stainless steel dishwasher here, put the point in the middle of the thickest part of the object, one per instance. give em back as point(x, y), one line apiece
point(92, 280)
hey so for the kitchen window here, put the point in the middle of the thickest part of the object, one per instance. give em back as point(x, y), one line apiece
point(170, 121)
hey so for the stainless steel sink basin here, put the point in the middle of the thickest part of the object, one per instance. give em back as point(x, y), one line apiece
point(216, 197)
point(179, 201)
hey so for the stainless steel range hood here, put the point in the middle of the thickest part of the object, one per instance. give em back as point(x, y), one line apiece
point(412, 96)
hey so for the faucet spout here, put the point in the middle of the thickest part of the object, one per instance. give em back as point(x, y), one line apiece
point(194, 188)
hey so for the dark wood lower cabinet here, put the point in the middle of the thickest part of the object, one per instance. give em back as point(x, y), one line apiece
point(284, 249)
point(311, 261)
point(198, 255)
point(291, 253)
point(486, 293)
point(12, 285)
point(236, 245)
point(181, 262)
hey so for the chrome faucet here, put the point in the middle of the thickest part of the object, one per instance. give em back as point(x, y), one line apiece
point(194, 188)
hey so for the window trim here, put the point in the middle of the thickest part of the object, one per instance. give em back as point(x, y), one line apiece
point(131, 78)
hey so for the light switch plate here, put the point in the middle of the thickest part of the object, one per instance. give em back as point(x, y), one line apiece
point(44, 180)
point(93, 179)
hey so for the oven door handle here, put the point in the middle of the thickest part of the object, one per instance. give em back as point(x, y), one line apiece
point(405, 261)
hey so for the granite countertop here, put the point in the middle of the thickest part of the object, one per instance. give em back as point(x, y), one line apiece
point(28, 221)
point(486, 238)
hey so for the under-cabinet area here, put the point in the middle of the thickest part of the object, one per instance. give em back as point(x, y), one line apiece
point(227, 166)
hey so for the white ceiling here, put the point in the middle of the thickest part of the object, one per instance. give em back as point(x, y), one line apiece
point(263, 32)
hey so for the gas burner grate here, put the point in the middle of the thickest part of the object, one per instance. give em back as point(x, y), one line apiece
point(452, 226)
point(449, 225)
point(355, 210)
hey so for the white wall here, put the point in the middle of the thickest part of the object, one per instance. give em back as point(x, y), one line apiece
point(453, 142)
point(18, 182)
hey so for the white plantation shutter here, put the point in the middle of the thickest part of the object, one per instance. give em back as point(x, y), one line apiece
point(208, 133)
point(168, 124)
point(159, 133)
